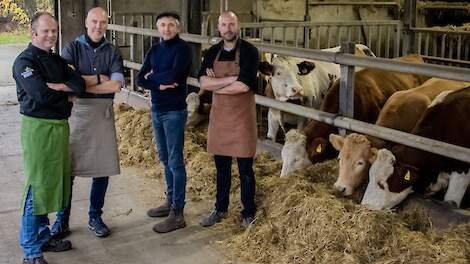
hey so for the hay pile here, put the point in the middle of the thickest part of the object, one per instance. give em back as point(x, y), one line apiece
point(298, 219)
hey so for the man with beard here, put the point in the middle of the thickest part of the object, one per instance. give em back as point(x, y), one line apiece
point(229, 70)
point(93, 135)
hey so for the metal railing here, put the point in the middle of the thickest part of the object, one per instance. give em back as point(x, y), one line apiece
point(346, 60)
point(449, 46)
point(383, 37)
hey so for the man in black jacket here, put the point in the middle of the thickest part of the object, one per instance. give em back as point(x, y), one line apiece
point(45, 88)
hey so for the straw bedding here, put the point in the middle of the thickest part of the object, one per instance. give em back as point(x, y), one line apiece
point(299, 220)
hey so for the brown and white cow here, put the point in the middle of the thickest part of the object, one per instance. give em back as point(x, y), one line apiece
point(298, 79)
point(372, 89)
point(401, 112)
point(397, 173)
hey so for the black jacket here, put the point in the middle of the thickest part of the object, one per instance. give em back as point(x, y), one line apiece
point(32, 70)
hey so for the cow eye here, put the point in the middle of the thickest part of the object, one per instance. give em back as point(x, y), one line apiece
point(360, 163)
point(381, 186)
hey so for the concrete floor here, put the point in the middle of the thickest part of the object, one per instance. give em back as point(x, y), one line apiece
point(128, 198)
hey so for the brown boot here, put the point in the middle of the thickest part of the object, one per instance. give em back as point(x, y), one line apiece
point(174, 221)
point(161, 211)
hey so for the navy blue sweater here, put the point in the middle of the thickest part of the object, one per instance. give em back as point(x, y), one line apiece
point(170, 61)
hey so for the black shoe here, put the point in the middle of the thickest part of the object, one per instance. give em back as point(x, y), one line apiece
point(38, 260)
point(60, 230)
point(98, 227)
point(213, 218)
point(57, 245)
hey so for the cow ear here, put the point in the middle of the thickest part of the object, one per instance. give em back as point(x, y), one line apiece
point(305, 67)
point(337, 141)
point(268, 91)
point(266, 68)
point(373, 155)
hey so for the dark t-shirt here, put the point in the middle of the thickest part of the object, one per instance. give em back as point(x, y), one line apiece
point(249, 60)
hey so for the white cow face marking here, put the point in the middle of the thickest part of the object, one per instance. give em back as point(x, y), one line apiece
point(378, 195)
point(285, 81)
point(193, 103)
point(294, 153)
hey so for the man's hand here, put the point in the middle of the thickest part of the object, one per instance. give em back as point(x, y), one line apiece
point(104, 78)
point(167, 86)
point(58, 87)
point(147, 74)
point(210, 72)
point(72, 98)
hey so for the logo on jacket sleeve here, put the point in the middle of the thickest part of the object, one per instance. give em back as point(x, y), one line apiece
point(28, 72)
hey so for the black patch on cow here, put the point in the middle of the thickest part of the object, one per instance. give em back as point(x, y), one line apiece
point(305, 67)
point(266, 68)
point(331, 78)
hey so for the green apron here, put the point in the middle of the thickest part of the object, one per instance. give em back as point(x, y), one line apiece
point(47, 167)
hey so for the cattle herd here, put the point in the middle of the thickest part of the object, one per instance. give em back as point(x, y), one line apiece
point(429, 107)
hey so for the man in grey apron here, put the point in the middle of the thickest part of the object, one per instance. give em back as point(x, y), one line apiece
point(229, 70)
point(92, 132)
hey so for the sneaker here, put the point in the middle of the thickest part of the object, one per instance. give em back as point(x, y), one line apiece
point(248, 222)
point(213, 218)
point(38, 260)
point(60, 230)
point(56, 245)
point(98, 227)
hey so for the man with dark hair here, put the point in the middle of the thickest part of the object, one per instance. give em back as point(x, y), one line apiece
point(229, 70)
point(45, 85)
point(93, 135)
point(164, 73)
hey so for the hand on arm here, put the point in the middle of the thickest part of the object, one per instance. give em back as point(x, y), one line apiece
point(106, 86)
point(236, 87)
point(210, 83)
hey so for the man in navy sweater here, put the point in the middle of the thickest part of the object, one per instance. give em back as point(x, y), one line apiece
point(164, 73)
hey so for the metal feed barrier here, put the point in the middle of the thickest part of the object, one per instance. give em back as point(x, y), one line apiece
point(347, 62)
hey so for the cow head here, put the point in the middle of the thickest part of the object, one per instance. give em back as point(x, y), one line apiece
point(355, 153)
point(192, 102)
point(294, 154)
point(389, 183)
point(285, 75)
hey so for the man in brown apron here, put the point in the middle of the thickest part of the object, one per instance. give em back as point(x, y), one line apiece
point(229, 71)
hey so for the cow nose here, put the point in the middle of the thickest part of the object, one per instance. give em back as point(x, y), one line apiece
point(339, 190)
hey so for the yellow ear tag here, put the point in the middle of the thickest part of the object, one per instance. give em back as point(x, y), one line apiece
point(408, 176)
point(319, 149)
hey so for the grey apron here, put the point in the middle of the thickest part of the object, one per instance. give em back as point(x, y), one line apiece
point(93, 142)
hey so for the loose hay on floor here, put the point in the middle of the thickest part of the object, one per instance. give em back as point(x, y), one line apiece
point(298, 219)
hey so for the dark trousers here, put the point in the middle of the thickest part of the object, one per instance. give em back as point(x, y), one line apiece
point(97, 195)
point(223, 165)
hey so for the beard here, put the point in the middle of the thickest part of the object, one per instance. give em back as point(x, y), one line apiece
point(230, 37)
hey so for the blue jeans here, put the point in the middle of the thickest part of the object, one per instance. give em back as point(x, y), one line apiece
point(97, 194)
point(169, 128)
point(223, 165)
point(34, 230)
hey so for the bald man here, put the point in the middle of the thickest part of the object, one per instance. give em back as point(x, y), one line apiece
point(93, 135)
point(229, 70)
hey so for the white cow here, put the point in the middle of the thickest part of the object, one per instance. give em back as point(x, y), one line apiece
point(299, 79)
point(194, 117)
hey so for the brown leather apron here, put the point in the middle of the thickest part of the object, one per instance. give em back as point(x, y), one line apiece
point(232, 121)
